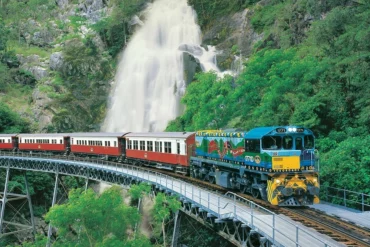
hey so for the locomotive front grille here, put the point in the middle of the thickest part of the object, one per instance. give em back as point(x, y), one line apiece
point(285, 162)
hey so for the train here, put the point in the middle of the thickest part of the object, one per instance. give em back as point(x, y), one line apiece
point(276, 163)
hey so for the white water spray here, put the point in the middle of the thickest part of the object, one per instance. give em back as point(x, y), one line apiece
point(150, 76)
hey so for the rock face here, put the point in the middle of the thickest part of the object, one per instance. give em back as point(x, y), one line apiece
point(41, 103)
point(92, 9)
point(61, 3)
point(38, 72)
point(56, 61)
point(232, 31)
point(42, 38)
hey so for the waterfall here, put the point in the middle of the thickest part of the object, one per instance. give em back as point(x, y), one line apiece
point(150, 77)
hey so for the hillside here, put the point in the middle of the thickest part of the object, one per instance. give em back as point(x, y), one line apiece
point(58, 60)
point(301, 62)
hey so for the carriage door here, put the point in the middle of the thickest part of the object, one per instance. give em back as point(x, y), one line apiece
point(15, 142)
point(122, 146)
point(178, 152)
point(67, 144)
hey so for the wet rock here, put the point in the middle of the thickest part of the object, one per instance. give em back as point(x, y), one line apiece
point(56, 61)
point(232, 31)
point(62, 3)
point(41, 103)
point(42, 38)
point(37, 72)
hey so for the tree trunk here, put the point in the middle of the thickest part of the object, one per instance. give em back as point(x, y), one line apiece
point(164, 234)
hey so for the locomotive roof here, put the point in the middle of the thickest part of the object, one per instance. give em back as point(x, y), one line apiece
point(259, 132)
point(98, 134)
point(161, 134)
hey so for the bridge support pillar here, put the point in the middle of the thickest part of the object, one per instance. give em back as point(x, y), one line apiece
point(52, 204)
point(176, 229)
point(11, 227)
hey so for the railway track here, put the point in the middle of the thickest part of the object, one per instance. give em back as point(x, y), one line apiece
point(346, 233)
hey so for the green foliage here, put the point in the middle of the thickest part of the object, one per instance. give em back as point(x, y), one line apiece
point(92, 220)
point(210, 10)
point(346, 164)
point(4, 32)
point(77, 21)
point(29, 50)
point(11, 122)
point(206, 103)
point(139, 190)
point(114, 30)
point(164, 207)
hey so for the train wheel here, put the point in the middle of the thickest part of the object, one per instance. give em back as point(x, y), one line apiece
point(194, 173)
point(255, 193)
point(212, 179)
point(243, 189)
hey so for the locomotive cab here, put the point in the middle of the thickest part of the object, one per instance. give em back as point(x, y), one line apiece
point(293, 179)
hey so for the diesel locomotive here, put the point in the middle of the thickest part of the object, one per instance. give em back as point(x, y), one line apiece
point(277, 164)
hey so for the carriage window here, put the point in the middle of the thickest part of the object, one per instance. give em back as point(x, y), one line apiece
point(253, 145)
point(308, 142)
point(178, 148)
point(61, 141)
point(298, 143)
point(271, 142)
point(167, 147)
point(142, 145)
point(287, 142)
point(158, 146)
point(149, 145)
point(136, 146)
point(115, 143)
point(129, 143)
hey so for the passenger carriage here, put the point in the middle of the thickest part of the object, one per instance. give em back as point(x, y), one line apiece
point(48, 142)
point(109, 145)
point(165, 150)
point(8, 142)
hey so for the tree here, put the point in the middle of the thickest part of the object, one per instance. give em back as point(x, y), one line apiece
point(139, 190)
point(4, 32)
point(92, 220)
point(10, 122)
point(163, 207)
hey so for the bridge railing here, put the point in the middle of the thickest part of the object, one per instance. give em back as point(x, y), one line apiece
point(223, 207)
point(347, 198)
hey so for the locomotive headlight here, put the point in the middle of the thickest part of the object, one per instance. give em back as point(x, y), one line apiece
point(290, 129)
point(315, 180)
point(294, 129)
point(277, 181)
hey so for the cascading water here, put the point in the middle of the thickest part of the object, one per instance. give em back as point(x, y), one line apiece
point(150, 76)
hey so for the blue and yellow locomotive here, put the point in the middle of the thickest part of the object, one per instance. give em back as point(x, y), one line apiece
point(277, 164)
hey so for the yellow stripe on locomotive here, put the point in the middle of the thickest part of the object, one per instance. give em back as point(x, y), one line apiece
point(285, 163)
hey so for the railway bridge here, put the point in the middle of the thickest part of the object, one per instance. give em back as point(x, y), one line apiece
point(242, 222)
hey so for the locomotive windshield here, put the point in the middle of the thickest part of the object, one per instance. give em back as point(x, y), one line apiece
point(288, 142)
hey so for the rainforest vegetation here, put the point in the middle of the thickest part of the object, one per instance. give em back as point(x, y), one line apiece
point(310, 68)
